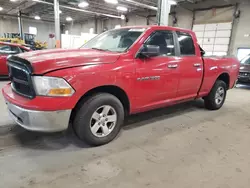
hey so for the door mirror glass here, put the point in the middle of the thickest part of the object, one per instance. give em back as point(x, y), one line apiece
point(150, 51)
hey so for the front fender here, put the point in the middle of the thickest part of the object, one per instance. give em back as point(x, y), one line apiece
point(86, 78)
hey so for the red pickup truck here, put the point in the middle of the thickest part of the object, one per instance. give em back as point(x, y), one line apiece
point(120, 72)
point(7, 49)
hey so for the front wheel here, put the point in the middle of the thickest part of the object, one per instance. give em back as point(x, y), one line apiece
point(217, 96)
point(99, 119)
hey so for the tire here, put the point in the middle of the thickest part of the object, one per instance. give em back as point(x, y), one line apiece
point(92, 113)
point(211, 101)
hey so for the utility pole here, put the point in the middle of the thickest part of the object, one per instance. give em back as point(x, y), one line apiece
point(57, 24)
point(163, 12)
point(96, 26)
point(20, 25)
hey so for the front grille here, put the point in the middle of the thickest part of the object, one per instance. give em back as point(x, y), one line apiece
point(245, 74)
point(20, 75)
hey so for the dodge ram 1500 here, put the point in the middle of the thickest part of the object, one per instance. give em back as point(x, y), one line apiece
point(120, 72)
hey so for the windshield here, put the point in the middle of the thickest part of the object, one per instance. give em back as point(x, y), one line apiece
point(246, 60)
point(118, 40)
point(4, 48)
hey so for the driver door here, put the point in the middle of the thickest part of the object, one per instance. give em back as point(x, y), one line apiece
point(157, 77)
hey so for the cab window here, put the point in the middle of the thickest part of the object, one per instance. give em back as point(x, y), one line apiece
point(23, 50)
point(246, 60)
point(7, 49)
point(165, 40)
point(186, 44)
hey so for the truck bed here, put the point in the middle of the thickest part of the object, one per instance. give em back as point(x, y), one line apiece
point(214, 67)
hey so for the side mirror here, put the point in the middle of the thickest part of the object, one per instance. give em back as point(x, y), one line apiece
point(150, 51)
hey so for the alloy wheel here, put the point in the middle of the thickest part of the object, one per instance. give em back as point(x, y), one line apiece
point(103, 121)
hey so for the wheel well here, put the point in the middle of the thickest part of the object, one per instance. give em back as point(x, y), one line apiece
point(114, 90)
point(225, 77)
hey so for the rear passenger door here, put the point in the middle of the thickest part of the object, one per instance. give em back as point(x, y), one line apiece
point(190, 67)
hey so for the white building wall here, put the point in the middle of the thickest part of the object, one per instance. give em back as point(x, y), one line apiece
point(214, 15)
point(184, 18)
point(78, 28)
point(241, 27)
point(84, 27)
point(133, 19)
point(110, 23)
point(8, 24)
point(136, 20)
point(241, 30)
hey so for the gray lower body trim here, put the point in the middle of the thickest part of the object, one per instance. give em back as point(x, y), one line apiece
point(41, 121)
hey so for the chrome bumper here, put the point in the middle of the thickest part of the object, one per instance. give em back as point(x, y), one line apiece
point(41, 121)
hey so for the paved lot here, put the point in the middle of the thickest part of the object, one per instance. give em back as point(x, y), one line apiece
point(184, 146)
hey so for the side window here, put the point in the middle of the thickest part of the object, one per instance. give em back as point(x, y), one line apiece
point(165, 40)
point(246, 60)
point(9, 49)
point(15, 50)
point(186, 43)
point(23, 50)
point(5, 48)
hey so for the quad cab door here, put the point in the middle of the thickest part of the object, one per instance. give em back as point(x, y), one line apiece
point(190, 66)
point(158, 76)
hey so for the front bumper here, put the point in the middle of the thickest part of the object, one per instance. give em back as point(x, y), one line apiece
point(41, 121)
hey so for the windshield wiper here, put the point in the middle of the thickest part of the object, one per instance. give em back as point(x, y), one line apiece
point(100, 49)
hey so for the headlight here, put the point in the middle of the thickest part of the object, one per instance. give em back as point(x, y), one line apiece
point(52, 86)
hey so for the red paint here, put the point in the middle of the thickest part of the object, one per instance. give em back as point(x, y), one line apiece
point(3, 66)
point(49, 60)
point(3, 57)
point(87, 69)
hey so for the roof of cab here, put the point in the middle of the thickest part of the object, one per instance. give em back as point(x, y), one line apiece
point(14, 44)
point(10, 44)
point(155, 27)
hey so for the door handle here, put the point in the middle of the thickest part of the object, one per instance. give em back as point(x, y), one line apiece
point(197, 65)
point(172, 66)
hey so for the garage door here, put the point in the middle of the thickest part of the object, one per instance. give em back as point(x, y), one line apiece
point(214, 38)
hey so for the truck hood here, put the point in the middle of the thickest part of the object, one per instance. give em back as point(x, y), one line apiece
point(244, 68)
point(50, 60)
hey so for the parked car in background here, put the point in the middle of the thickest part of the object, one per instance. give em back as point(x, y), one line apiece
point(244, 74)
point(7, 49)
point(120, 72)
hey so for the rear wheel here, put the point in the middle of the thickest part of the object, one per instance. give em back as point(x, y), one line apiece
point(217, 96)
point(99, 119)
